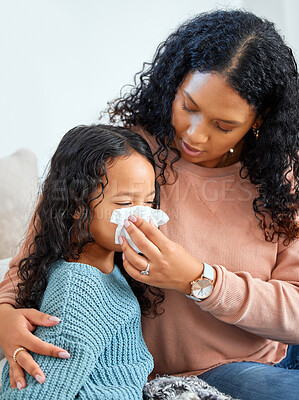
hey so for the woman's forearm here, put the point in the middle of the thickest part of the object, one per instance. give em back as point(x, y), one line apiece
point(8, 287)
point(267, 309)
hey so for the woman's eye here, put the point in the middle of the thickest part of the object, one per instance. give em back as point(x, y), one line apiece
point(150, 203)
point(123, 204)
point(189, 109)
point(222, 129)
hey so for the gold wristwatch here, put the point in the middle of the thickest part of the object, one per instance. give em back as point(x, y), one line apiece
point(203, 287)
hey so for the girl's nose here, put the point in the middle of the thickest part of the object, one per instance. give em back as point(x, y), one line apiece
point(139, 203)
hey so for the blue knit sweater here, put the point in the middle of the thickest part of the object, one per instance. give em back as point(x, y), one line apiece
point(100, 327)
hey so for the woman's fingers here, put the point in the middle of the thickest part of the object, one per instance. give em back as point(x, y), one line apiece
point(136, 274)
point(135, 264)
point(16, 375)
point(170, 265)
point(16, 333)
point(155, 236)
point(36, 317)
point(36, 345)
point(24, 361)
point(135, 259)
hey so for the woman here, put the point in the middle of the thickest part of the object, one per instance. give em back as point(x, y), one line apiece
point(219, 105)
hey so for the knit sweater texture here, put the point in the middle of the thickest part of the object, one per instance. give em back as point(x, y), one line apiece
point(100, 327)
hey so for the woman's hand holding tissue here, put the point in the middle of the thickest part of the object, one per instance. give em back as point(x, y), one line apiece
point(170, 265)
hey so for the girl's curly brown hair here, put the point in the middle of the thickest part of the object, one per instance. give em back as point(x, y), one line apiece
point(78, 168)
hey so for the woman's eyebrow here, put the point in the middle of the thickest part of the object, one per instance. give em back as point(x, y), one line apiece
point(222, 120)
point(189, 97)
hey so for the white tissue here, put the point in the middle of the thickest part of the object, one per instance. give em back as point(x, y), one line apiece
point(119, 215)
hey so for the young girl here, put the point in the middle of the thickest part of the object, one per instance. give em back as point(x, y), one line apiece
point(71, 272)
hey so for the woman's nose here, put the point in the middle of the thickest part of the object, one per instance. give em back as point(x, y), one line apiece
point(196, 132)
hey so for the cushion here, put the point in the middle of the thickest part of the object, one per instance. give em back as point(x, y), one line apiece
point(18, 194)
point(2, 362)
point(4, 264)
point(3, 268)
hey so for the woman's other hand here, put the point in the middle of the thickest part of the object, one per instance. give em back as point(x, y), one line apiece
point(15, 331)
point(170, 265)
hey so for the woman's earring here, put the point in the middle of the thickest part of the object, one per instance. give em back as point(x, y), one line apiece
point(77, 215)
point(231, 150)
point(256, 132)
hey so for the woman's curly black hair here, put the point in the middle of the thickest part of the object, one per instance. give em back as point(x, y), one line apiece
point(78, 168)
point(253, 58)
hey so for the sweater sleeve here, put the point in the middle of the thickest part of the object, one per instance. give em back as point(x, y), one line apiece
point(64, 378)
point(265, 308)
point(9, 284)
point(76, 301)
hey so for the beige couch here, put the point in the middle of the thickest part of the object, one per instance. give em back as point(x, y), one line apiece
point(18, 195)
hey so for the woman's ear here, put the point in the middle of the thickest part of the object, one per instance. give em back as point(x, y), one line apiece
point(256, 126)
point(257, 123)
point(77, 214)
point(259, 119)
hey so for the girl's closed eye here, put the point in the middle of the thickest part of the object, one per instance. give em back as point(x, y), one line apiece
point(129, 203)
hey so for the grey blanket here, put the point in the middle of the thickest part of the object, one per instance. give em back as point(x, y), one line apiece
point(181, 388)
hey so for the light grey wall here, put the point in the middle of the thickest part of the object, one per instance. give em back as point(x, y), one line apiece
point(61, 60)
point(284, 13)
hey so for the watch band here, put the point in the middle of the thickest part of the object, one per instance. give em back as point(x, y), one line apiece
point(208, 273)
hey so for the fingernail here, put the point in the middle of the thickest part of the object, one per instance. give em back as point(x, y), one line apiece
point(64, 354)
point(19, 385)
point(55, 319)
point(126, 224)
point(132, 218)
point(123, 256)
point(39, 378)
point(120, 239)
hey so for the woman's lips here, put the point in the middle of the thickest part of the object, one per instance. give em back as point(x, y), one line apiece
point(190, 151)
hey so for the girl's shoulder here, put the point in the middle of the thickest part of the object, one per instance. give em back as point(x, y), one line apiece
point(65, 274)
point(74, 286)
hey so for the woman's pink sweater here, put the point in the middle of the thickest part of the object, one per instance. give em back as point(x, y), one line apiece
point(255, 304)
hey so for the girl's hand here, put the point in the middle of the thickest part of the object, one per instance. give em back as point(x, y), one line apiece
point(15, 331)
point(170, 265)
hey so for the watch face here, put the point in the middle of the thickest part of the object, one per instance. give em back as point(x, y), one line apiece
point(202, 289)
